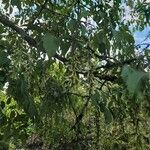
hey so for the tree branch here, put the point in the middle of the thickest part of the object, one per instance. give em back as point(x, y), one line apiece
point(100, 76)
point(118, 64)
point(32, 42)
point(6, 22)
point(81, 115)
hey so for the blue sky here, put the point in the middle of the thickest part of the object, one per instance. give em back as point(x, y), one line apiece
point(141, 35)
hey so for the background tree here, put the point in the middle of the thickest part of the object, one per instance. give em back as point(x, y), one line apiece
point(71, 76)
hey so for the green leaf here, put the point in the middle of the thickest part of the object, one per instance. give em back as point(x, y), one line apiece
point(4, 145)
point(134, 80)
point(72, 24)
point(12, 114)
point(102, 107)
point(95, 99)
point(83, 30)
point(50, 44)
point(95, 96)
point(125, 72)
point(3, 59)
point(16, 3)
point(21, 117)
point(8, 101)
point(108, 116)
point(2, 104)
point(64, 46)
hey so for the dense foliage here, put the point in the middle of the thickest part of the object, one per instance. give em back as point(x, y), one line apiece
point(71, 76)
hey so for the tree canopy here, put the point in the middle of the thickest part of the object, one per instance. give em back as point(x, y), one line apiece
point(71, 75)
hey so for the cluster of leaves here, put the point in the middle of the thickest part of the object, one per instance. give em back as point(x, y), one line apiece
point(70, 76)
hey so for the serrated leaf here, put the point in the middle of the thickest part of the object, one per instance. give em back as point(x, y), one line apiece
point(50, 44)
